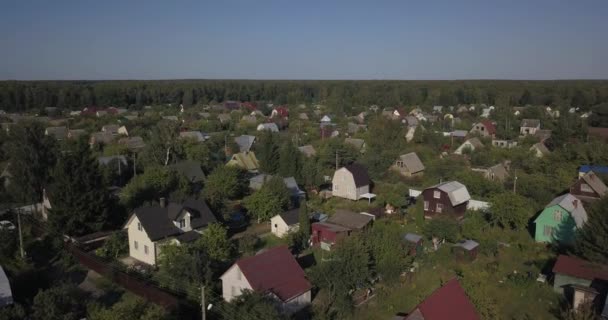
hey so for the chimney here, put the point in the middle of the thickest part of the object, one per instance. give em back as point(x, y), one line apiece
point(575, 204)
point(163, 202)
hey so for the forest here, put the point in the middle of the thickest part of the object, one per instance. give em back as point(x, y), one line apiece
point(342, 96)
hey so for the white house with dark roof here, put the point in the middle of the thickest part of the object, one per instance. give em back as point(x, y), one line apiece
point(529, 126)
point(150, 227)
point(350, 182)
point(284, 223)
point(471, 145)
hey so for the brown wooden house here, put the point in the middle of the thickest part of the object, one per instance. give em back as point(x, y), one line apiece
point(446, 199)
point(589, 187)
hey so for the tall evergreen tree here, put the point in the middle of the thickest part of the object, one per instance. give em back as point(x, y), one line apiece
point(289, 160)
point(267, 152)
point(78, 196)
point(304, 220)
point(32, 155)
point(592, 239)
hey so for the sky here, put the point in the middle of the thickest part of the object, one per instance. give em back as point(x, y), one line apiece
point(289, 39)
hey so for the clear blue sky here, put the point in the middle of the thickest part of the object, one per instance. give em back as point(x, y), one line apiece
point(295, 39)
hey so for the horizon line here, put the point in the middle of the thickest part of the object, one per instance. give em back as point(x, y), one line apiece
point(302, 79)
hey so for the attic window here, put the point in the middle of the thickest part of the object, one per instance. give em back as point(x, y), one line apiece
point(436, 194)
point(139, 226)
point(182, 223)
point(400, 164)
point(557, 215)
point(586, 188)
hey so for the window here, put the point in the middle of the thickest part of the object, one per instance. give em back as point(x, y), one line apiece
point(182, 223)
point(139, 226)
point(439, 208)
point(276, 226)
point(426, 206)
point(586, 188)
point(136, 245)
point(548, 231)
point(400, 164)
point(335, 187)
point(436, 194)
point(145, 249)
point(557, 215)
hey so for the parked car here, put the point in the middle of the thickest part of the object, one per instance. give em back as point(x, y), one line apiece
point(6, 225)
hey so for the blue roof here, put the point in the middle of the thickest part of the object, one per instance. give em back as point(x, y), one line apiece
point(596, 169)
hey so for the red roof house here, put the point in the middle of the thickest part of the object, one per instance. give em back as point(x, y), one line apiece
point(280, 112)
point(485, 128)
point(274, 272)
point(447, 302)
point(571, 271)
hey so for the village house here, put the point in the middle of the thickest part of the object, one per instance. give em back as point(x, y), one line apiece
point(134, 144)
point(469, 146)
point(192, 135)
point(485, 128)
point(273, 272)
point(280, 112)
point(76, 133)
point(581, 281)
point(150, 227)
point(101, 138)
point(249, 119)
point(256, 182)
point(448, 302)
point(448, 199)
point(245, 142)
point(498, 172)
point(560, 219)
point(409, 165)
point(529, 126)
point(350, 182)
point(111, 129)
point(124, 130)
point(284, 223)
point(59, 133)
point(244, 160)
point(341, 224)
point(325, 120)
point(589, 187)
point(540, 150)
point(413, 243)
point(507, 144)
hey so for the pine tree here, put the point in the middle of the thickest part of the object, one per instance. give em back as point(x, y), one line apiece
point(78, 196)
point(31, 158)
point(592, 239)
point(289, 160)
point(304, 220)
point(267, 152)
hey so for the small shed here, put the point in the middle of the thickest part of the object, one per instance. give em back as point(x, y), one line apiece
point(413, 243)
point(466, 249)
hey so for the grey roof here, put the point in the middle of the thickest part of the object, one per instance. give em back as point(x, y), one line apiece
point(459, 133)
point(188, 237)
point(456, 191)
point(412, 237)
point(196, 135)
point(467, 244)
point(356, 143)
point(412, 162)
point(156, 223)
point(349, 219)
point(541, 147)
point(108, 159)
point(133, 143)
point(308, 150)
point(595, 183)
point(58, 133)
point(499, 171)
point(191, 169)
point(291, 217)
point(411, 121)
point(244, 142)
point(573, 205)
point(530, 123)
point(256, 182)
point(292, 186)
point(6, 294)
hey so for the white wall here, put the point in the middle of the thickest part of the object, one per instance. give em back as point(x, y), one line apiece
point(344, 185)
point(142, 240)
point(233, 283)
point(279, 228)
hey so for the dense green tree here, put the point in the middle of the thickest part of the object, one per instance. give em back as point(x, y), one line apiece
point(389, 256)
point(250, 306)
point(154, 183)
point(215, 242)
point(183, 268)
point(114, 247)
point(78, 195)
point(442, 228)
point(32, 156)
point(13, 312)
point(224, 183)
point(312, 175)
point(304, 219)
point(61, 302)
point(267, 152)
point(385, 139)
point(161, 144)
point(129, 307)
point(270, 200)
point(8, 244)
point(510, 210)
point(289, 160)
point(592, 239)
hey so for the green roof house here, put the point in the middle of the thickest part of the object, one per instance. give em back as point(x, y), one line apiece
point(560, 219)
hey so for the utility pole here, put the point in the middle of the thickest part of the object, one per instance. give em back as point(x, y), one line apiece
point(515, 182)
point(336, 160)
point(20, 235)
point(203, 308)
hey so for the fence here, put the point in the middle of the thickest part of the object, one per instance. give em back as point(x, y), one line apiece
point(139, 287)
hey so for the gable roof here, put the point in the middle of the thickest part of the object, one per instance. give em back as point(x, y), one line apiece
point(291, 217)
point(200, 211)
point(244, 142)
point(349, 219)
point(412, 162)
point(595, 183)
point(191, 169)
point(580, 268)
point(541, 148)
point(448, 302)
point(359, 173)
point(275, 270)
point(597, 169)
point(245, 160)
point(573, 205)
point(456, 191)
point(499, 171)
point(490, 127)
point(531, 123)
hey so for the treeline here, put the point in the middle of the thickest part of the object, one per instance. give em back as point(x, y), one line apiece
point(342, 96)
